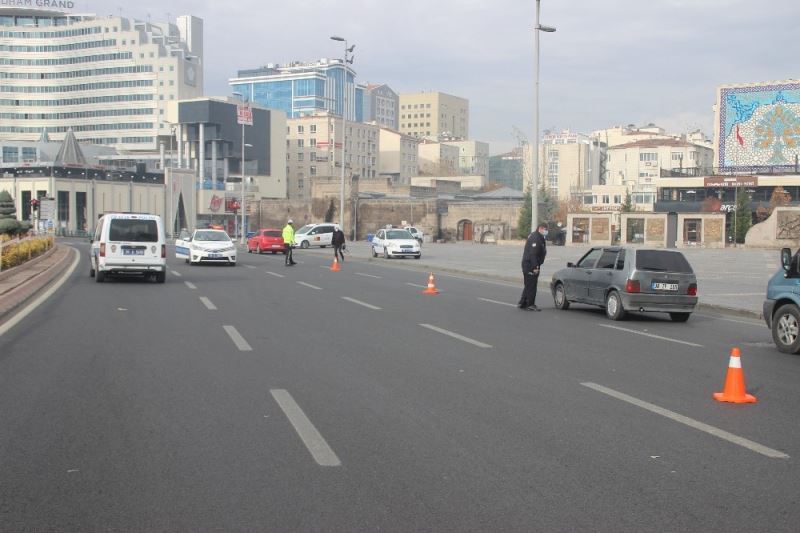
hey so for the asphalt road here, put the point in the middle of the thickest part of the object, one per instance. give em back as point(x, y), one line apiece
point(266, 398)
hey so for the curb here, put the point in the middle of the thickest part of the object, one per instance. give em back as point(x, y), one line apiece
point(35, 283)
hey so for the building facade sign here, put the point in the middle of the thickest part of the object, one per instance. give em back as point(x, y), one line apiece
point(730, 182)
point(50, 4)
point(602, 208)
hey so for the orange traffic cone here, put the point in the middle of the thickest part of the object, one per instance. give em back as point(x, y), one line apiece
point(335, 266)
point(734, 390)
point(431, 286)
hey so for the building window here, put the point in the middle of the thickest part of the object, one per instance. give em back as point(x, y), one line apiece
point(312, 143)
point(300, 156)
point(300, 129)
point(635, 232)
point(648, 156)
point(676, 156)
point(10, 154)
point(300, 143)
point(313, 171)
point(312, 128)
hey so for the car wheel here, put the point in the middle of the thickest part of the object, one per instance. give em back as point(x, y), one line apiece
point(374, 253)
point(417, 256)
point(560, 297)
point(786, 328)
point(100, 276)
point(249, 250)
point(322, 246)
point(385, 253)
point(679, 317)
point(91, 269)
point(161, 277)
point(258, 249)
point(304, 245)
point(187, 261)
point(614, 309)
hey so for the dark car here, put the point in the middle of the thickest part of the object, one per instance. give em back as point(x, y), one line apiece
point(623, 279)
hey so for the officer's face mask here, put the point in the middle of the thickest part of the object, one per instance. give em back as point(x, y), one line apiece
point(544, 233)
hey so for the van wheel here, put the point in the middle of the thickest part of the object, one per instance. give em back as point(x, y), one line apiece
point(374, 253)
point(161, 277)
point(614, 309)
point(679, 317)
point(560, 297)
point(91, 270)
point(100, 276)
point(786, 328)
point(304, 245)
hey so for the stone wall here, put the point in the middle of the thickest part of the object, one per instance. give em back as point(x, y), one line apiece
point(780, 230)
point(588, 229)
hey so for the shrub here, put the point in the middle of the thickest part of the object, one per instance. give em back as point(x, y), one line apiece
point(18, 252)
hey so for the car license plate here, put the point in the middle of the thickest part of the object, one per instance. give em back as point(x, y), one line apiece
point(659, 286)
point(214, 256)
point(134, 251)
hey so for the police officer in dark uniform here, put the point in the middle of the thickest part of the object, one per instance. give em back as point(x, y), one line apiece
point(532, 259)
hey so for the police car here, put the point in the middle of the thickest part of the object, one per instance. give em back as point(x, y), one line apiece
point(206, 246)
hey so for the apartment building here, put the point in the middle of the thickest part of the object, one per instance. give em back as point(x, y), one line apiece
point(473, 157)
point(398, 156)
point(108, 78)
point(314, 149)
point(438, 159)
point(569, 163)
point(434, 114)
point(381, 105)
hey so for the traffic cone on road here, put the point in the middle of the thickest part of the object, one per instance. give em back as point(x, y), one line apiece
point(431, 286)
point(734, 390)
point(335, 266)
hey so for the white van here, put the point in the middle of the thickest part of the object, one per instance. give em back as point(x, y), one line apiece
point(314, 235)
point(128, 243)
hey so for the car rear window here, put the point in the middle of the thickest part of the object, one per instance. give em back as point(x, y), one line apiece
point(662, 261)
point(133, 230)
point(275, 233)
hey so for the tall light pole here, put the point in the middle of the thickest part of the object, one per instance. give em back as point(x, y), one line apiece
point(244, 116)
point(344, 121)
point(171, 182)
point(535, 171)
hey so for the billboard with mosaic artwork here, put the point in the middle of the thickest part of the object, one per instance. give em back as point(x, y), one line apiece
point(758, 126)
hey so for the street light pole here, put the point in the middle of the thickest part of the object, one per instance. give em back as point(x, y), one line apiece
point(344, 122)
point(171, 183)
point(535, 171)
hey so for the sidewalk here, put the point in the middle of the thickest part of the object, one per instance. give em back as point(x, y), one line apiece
point(19, 284)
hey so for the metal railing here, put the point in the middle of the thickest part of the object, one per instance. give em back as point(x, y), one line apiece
point(695, 172)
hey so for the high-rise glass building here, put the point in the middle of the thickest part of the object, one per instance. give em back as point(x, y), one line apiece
point(302, 89)
point(108, 78)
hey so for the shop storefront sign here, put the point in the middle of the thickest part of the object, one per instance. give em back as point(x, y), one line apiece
point(731, 182)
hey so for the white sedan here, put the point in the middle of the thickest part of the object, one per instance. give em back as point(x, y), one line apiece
point(395, 243)
point(206, 246)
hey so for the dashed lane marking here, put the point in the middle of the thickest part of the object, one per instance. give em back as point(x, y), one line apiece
point(313, 440)
point(367, 275)
point(651, 335)
point(700, 426)
point(418, 286)
point(176, 273)
point(190, 285)
point(310, 286)
point(497, 302)
point(359, 302)
point(456, 336)
point(275, 274)
point(250, 266)
point(237, 339)
point(210, 306)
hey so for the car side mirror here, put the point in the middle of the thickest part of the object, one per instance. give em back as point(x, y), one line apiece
point(570, 265)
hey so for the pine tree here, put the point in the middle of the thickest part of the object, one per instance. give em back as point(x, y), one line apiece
point(743, 217)
point(524, 220)
point(8, 219)
point(627, 204)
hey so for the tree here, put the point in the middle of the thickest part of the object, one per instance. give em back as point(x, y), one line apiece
point(627, 204)
point(8, 220)
point(524, 220)
point(547, 205)
point(743, 218)
point(566, 207)
point(331, 212)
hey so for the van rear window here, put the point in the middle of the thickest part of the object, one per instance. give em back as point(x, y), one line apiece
point(133, 230)
point(662, 261)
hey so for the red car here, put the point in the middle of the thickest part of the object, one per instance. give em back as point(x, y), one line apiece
point(266, 240)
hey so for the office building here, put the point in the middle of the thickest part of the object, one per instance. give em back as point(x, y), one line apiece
point(381, 105)
point(108, 78)
point(473, 157)
point(398, 156)
point(303, 89)
point(433, 115)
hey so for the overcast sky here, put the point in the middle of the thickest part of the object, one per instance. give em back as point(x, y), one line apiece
point(609, 62)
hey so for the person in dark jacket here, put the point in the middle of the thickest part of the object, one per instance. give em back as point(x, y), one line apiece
point(337, 241)
point(532, 259)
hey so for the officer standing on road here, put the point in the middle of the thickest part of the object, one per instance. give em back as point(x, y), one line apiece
point(532, 259)
point(288, 242)
point(337, 241)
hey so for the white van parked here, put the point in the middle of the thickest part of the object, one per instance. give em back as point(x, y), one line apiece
point(314, 235)
point(128, 243)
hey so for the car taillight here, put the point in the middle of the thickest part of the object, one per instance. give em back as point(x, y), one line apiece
point(692, 290)
point(632, 285)
point(102, 249)
point(163, 251)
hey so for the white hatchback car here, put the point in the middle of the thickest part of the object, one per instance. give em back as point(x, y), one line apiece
point(314, 235)
point(206, 246)
point(395, 243)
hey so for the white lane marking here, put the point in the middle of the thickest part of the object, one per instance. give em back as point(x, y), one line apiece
point(237, 339)
point(754, 322)
point(176, 273)
point(314, 441)
point(418, 286)
point(275, 274)
point(456, 336)
point(711, 430)
point(741, 294)
point(367, 275)
point(210, 306)
point(497, 302)
point(190, 285)
point(250, 266)
point(310, 286)
point(651, 335)
point(28, 309)
point(359, 302)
